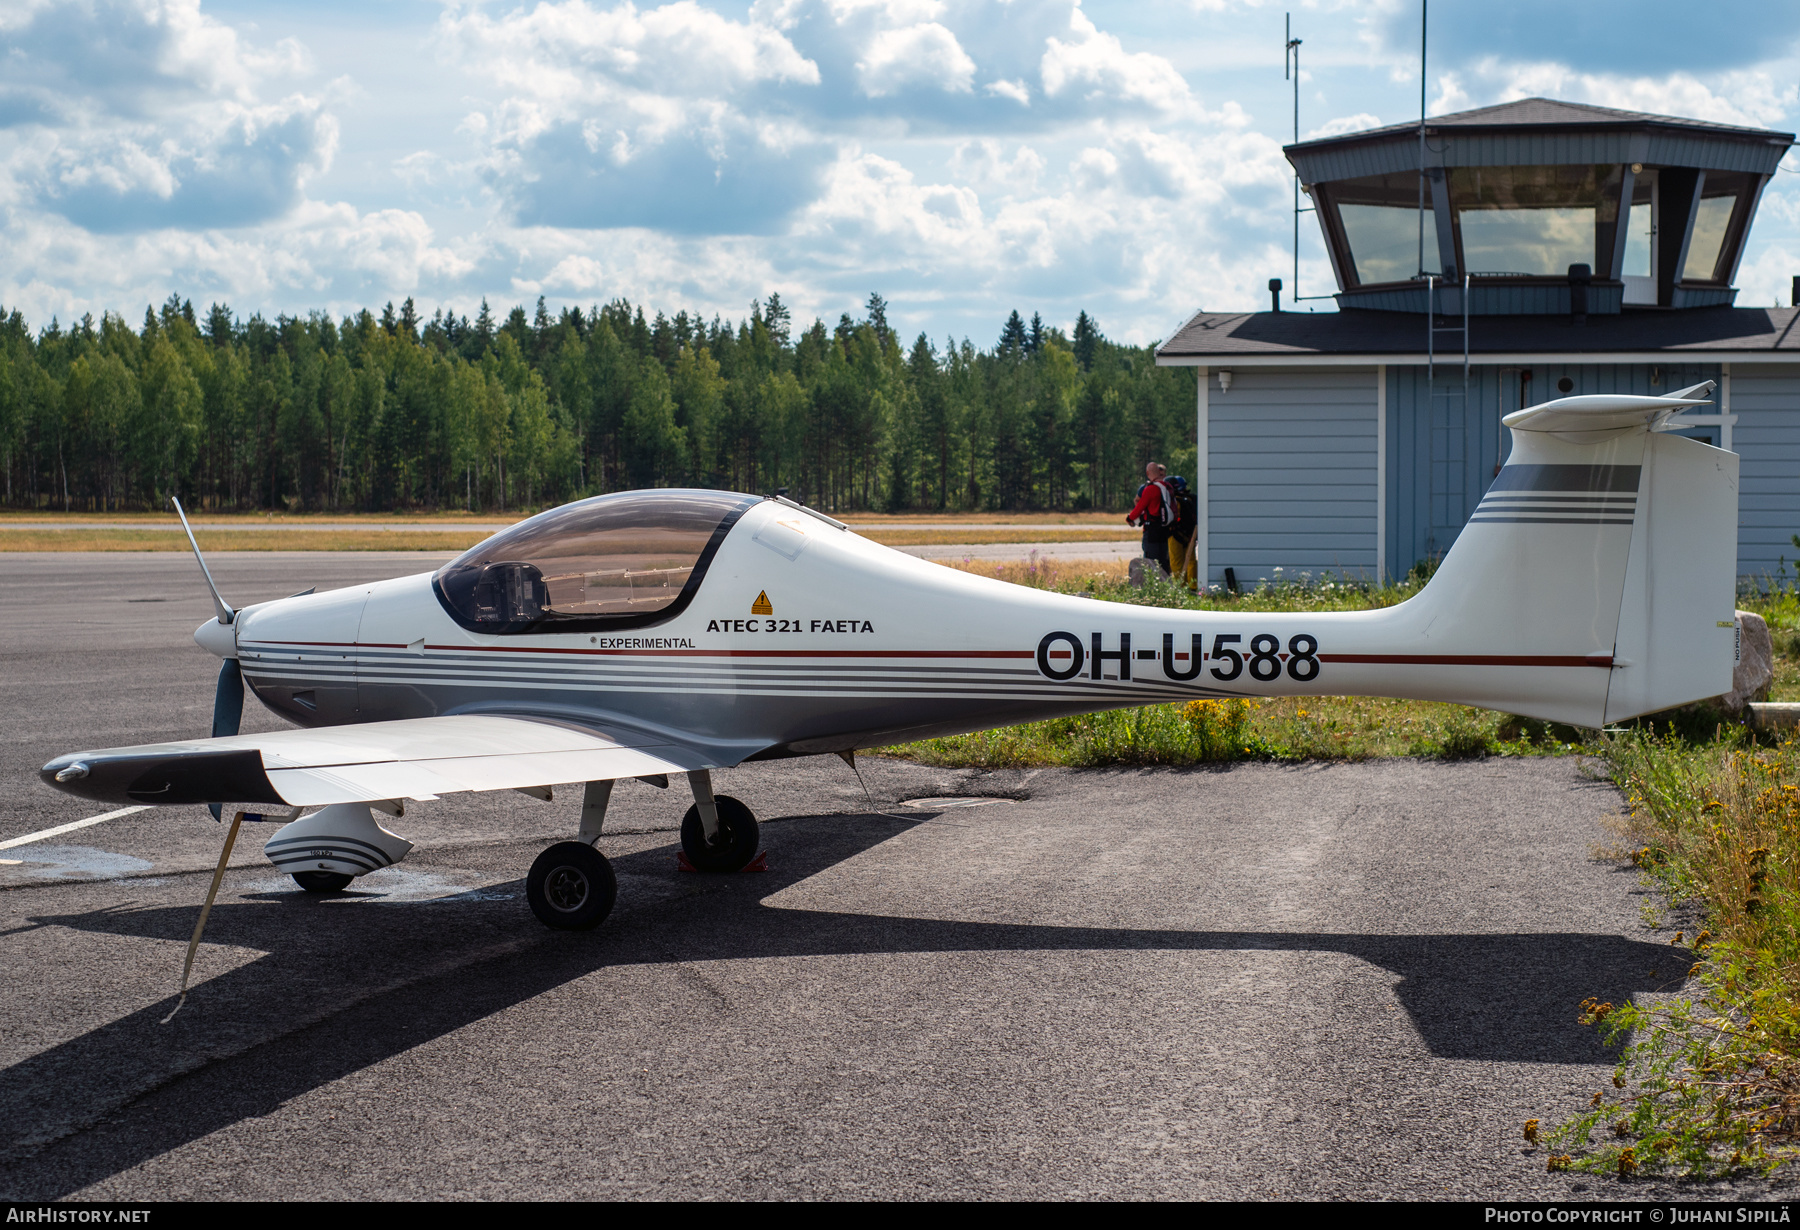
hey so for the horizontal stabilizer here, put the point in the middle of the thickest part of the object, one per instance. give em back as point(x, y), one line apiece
point(1604, 411)
point(419, 758)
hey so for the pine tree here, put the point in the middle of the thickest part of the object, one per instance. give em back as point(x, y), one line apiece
point(218, 325)
point(409, 320)
point(878, 317)
point(778, 320)
point(1087, 340)
point(1012, 337)
point(540, 331)
point(1035, 342)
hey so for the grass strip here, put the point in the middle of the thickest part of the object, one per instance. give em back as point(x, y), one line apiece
point(1049, 533)
point(20, 537)
point(11, 519)
point(240, 540)
point(1220, 731)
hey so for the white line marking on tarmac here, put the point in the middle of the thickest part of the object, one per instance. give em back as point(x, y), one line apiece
point(71, 827)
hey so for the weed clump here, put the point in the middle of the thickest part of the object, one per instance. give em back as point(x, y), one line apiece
point(1709, 1081)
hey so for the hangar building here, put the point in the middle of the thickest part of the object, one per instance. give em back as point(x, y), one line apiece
point(1561, 249)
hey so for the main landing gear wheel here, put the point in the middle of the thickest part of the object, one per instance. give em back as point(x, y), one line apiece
point(733, 847)
point(322, 881)
point(571, 887)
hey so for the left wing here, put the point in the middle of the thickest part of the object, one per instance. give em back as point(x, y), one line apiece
point(418, 758)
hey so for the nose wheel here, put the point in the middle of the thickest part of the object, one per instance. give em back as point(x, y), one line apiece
point(571, 887)
point(731, 847)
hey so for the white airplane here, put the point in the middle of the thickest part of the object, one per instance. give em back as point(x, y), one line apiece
point(651, 633)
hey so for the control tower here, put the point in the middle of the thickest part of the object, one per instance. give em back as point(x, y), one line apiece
point(1485, 261)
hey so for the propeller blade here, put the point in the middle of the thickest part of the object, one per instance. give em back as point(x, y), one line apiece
point(226, 614)
point(228, 707)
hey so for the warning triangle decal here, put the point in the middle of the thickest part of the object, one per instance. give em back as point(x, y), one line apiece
point(761, 605)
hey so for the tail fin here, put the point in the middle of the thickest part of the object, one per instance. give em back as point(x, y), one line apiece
point(1605, 547)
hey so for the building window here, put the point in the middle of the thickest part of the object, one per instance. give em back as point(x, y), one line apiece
point(1709, 246)
point(1639, 272)
point(1535, 221)
point(1378, 216)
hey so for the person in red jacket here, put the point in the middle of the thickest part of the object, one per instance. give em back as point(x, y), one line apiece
point(1154, 504)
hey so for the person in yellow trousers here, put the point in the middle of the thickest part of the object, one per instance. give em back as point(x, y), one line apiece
point(1183, 539)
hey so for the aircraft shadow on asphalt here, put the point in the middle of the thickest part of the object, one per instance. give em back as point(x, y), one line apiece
point(343, 987)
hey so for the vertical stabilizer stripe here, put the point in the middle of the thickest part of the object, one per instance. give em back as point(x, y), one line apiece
point(1566, 478)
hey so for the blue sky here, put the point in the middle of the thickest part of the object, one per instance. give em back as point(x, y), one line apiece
point(963, 159)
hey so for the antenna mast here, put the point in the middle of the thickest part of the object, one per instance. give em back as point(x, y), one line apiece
point(1424, 18)
point(1290, 71)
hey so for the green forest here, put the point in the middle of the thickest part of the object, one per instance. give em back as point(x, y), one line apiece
point(392, 411)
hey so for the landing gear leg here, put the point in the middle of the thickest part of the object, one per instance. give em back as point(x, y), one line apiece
point(718, 833)
point(593, 810)
point(571, 886)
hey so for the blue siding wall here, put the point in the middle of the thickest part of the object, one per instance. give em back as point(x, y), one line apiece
point(1766, 401)
point(1445, 440)
point(1292, 466)
point(1291, 475)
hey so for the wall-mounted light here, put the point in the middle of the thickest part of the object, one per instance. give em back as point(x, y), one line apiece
point(1224, 381)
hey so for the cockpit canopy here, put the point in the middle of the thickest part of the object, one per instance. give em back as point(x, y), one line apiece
point(613, 561)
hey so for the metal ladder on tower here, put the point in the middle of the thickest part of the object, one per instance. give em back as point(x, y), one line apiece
point(1433, 284)
point(1448, 505)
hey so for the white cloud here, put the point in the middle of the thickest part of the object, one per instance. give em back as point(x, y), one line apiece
point(621, 117)
point(1018, 91)
point(1452, 97)
point(566, 55)
point(1751, 97)
point(963, 159)
point(1140, 220)
point(1097, 65)
point(323, 256)
point(126, 116)
point(984, 165)
point(1342, 124)
point(924, 55)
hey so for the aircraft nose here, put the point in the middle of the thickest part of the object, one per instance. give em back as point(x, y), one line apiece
point(217, 639)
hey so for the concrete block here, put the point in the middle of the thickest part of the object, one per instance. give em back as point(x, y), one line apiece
point(1776, 716)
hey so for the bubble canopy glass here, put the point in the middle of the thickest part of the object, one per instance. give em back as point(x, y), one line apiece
point(613, 561)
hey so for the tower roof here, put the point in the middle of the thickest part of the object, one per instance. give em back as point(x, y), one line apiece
point(1548, 115)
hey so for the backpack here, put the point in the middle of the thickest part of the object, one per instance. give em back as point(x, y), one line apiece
point(1183, 511)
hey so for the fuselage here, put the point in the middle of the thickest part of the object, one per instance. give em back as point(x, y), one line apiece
point(801, 637)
